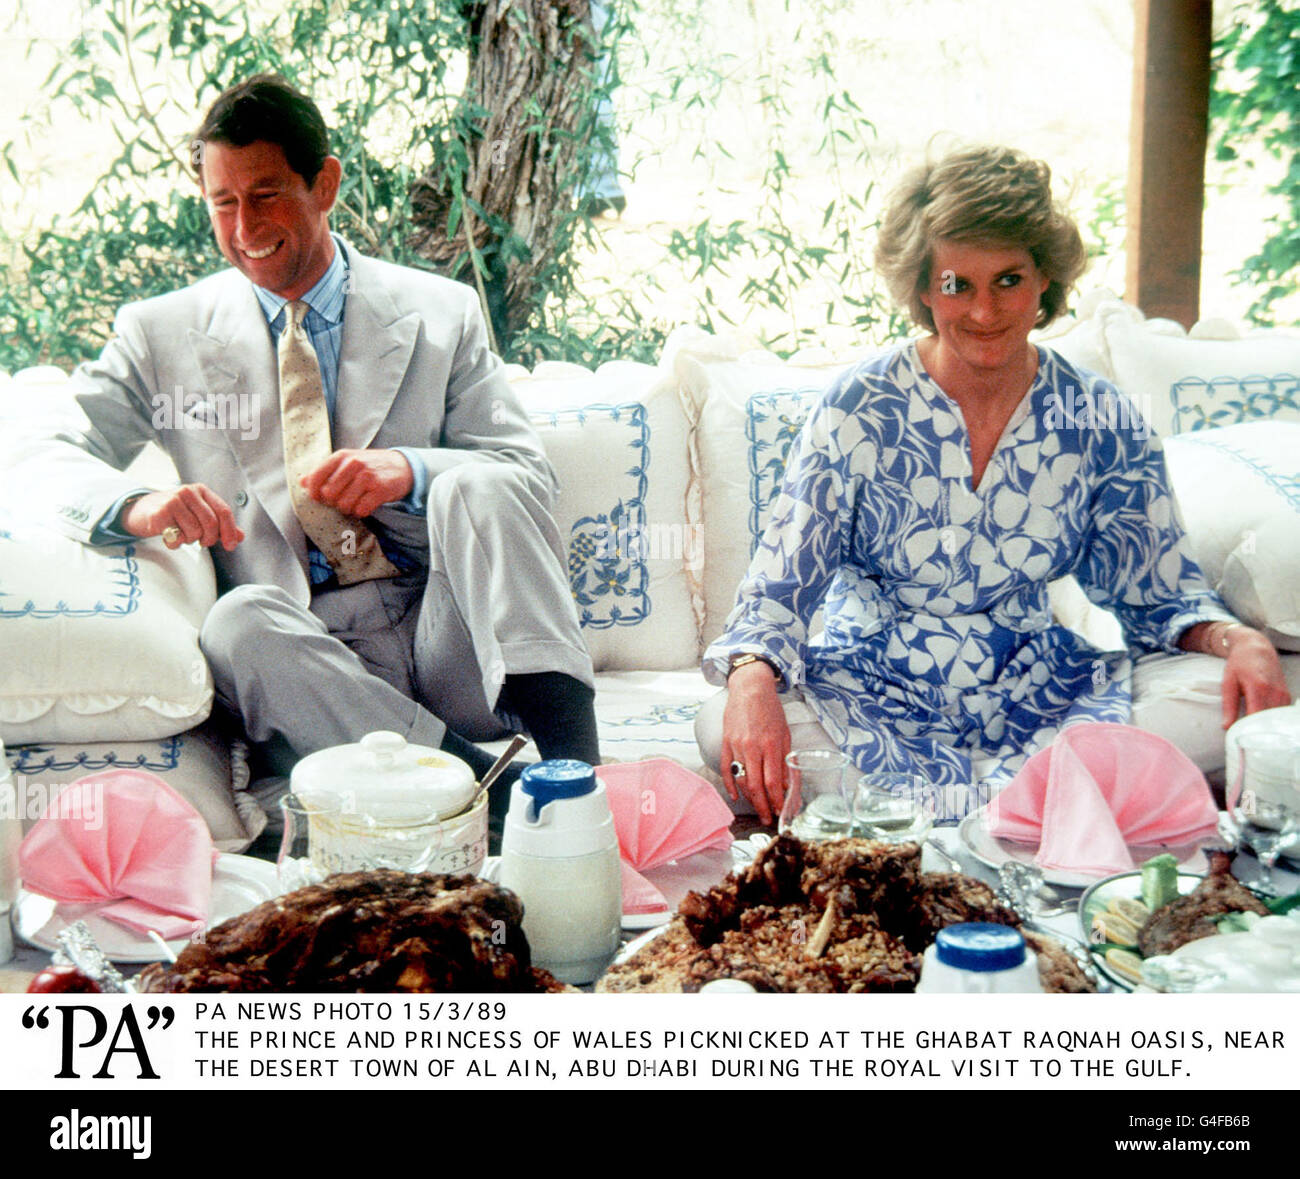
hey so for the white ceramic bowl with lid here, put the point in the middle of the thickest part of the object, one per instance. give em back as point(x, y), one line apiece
point(384, 802)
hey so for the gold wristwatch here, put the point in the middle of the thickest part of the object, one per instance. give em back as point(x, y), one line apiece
point(749, 657)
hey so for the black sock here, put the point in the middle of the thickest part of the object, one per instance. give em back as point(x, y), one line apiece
point(478, 760)
point(558, 712)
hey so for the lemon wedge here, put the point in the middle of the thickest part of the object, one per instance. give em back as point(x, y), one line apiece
point(1111, 927)
point(1131, 910)
point(1125, 962)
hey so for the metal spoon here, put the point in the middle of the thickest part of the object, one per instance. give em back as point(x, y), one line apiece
point(935, 846)
point(517, 742)
point(1021, 887)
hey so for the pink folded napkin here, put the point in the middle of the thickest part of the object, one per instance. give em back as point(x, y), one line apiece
point(126, 839)
point(1098, 790)
point(662, 812)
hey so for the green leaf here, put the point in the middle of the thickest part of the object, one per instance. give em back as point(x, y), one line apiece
point(1283, 905)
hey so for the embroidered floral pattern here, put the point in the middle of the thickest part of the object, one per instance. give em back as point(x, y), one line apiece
point(41, 759)
point(114, 595)
point(1224, 401)
point(607, 563)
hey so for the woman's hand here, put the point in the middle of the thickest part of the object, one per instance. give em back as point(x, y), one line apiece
point(755, 734)
point(1253, 675)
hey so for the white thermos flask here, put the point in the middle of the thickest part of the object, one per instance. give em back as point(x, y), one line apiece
point(559, 854)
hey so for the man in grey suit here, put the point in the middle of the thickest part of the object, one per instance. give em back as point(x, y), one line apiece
point(391, 563)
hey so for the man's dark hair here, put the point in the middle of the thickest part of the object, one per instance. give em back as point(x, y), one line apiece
point(265, 108)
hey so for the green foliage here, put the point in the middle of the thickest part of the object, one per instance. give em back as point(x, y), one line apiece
point(1256, 99)
point(1103, 224)
point(770, 266)
point(149, 65)
point(389, 75)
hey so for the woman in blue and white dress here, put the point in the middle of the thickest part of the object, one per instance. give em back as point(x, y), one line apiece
point(932, 495)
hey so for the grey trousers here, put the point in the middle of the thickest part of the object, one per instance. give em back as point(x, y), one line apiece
point(414, 654)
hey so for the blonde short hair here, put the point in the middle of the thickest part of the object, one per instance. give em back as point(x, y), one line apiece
point(990, 195)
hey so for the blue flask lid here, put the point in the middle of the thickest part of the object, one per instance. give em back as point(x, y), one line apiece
point(559, 778)
point(980, 946)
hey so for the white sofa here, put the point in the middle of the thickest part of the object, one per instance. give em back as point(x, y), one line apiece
point(667, 474)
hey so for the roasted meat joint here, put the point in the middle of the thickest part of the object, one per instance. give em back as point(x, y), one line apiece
point(376, 931)
point(844, 916)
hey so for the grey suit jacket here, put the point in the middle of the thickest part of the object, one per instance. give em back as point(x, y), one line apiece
point(196, 372)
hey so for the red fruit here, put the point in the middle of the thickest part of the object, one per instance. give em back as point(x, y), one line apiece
point(63, 979)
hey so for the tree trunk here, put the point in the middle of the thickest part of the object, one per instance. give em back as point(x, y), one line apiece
point(527, 119)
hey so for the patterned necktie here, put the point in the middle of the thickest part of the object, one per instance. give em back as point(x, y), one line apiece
point(347, 544)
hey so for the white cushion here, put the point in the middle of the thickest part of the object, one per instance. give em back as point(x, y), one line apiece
point(1183, 383)
point(750, 406)
point(1180, 697)
point(617, 438)
point(39, 397)
point(37, 401)
point(99, 644)
point(198, 765)
point(644, 714)
point(96, 644)
point(1081, 338)
point(1239, 491)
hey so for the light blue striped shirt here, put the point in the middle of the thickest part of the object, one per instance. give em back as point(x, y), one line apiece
point(324, 321)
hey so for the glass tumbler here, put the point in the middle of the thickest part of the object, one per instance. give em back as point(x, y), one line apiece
point(311, 848)
point(817, 801)
point(895, 808)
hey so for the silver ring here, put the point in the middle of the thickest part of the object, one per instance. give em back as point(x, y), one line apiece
point(171, 534)
point(737, 770)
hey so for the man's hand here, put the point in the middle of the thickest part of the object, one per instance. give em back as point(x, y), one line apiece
point(196, 512)
point(1253, 675)
point(755, 734)
point(356, 482)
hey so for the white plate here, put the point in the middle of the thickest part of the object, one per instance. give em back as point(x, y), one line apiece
point(993, 852)
point(1077, 950)
point(651, 921)
point(239, 883)
point(635, 944)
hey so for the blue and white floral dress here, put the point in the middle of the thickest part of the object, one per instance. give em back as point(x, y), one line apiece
point(937, 653)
